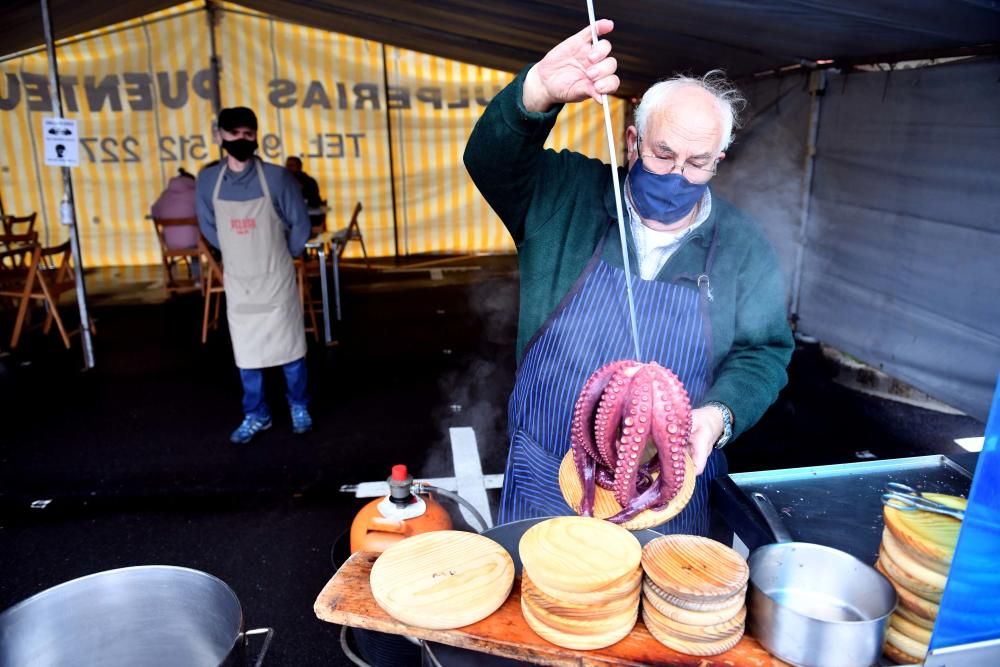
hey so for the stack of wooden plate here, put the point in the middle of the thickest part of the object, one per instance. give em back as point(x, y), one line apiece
point(915, 556)
point(580, 581)
point(694, 594)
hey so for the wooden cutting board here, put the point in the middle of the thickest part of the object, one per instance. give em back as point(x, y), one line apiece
point(443, 579)
point(695, 568)
point(605, 504)
point(346, 599)
point(929, 534)
point(578, 554)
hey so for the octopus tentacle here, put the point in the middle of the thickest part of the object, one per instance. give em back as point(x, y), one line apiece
point(609, 411)
point(635, 431)
point(671, 429)
point(582, 426)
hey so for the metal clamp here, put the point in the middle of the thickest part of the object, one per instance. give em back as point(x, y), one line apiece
point(907, 499)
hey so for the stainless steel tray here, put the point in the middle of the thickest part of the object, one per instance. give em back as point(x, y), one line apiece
point(840, 505)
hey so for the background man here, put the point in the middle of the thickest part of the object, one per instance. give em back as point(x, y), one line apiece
point(254, 213)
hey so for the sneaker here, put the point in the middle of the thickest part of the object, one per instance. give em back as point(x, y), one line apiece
point(301, 421)
point(250, 427)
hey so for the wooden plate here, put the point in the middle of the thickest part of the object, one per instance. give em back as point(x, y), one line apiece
point(606, 506)
point(442, 580)
point(583, 626)
point(905, 645)
point(695, 606)
point(913, 565)
point(904, 579)
point(924, 608)
point(693, 568)
point(576, 610)
point(686, 616)
point(929, 534)
point(899, 657)
point(627, 585)
point(908, 615)
point(910, 629)
point(578, 554)
point(698, 648)
point(696, 633)
point(578, 642)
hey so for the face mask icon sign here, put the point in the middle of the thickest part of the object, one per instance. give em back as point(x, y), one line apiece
point(60, 149)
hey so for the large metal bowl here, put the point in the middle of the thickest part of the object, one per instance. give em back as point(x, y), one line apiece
point(145, 616)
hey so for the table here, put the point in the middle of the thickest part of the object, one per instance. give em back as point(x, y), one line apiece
point(347, 600)
point(839, 505)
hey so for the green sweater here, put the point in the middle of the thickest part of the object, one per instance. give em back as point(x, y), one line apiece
point(557, 207)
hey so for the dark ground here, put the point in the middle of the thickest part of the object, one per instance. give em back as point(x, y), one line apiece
point(135, 458)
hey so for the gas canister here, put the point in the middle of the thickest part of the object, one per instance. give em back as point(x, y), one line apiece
point(401, 514)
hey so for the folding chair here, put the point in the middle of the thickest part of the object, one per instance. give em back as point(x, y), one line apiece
point(172, 257)
point(19, 224)
point(352, 232)
point(15, 225)
point(47, 274)
point(211, 288)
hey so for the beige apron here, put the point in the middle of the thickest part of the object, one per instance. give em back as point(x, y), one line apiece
point(262, 300)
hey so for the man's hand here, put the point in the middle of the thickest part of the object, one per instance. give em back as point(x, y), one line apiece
point(706, 429)
point(573, 71)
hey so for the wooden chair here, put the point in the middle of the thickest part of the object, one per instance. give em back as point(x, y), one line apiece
point(303, 271)
point(16, 225)
point(172, 257)
point(212, 288)
point(19, 224)
point(45, 274)
point(352, 232)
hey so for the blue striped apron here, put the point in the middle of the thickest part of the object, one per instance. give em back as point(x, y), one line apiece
point(588, 329)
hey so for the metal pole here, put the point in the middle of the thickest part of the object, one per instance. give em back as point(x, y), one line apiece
point(392, 169)
point(212, 13)
point(817, 86)
point(68, 207)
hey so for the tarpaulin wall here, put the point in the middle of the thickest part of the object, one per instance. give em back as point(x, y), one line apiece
point(901, 263)
point(142, 92)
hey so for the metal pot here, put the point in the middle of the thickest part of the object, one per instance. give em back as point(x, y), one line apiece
point(146, 616)
point(815, 606)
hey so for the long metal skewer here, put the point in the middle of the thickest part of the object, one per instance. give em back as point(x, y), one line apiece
point(618, 195)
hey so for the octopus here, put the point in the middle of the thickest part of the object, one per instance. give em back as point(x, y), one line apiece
point(630, 420)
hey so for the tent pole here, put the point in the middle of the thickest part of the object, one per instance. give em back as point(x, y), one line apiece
point(392, 168)
point(211, 12)
point(68, 207)
point(817, 87)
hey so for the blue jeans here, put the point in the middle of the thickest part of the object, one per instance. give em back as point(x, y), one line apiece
point(254, 403)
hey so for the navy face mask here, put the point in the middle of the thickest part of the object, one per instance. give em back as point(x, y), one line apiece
point(664, 198)
point(241, 149)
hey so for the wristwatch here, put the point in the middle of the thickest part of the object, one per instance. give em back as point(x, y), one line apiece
point(727, 423)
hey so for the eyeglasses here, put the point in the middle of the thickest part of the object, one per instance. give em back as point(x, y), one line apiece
point(696, 173)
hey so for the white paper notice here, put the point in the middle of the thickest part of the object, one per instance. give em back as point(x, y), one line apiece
point(61, 141)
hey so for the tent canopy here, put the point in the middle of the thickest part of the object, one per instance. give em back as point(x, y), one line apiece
point(656, 37)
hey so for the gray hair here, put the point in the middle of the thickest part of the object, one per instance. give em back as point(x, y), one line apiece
point(727, 97)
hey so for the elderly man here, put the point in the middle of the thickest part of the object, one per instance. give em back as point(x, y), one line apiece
point(254, 213)
point(709, 296)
